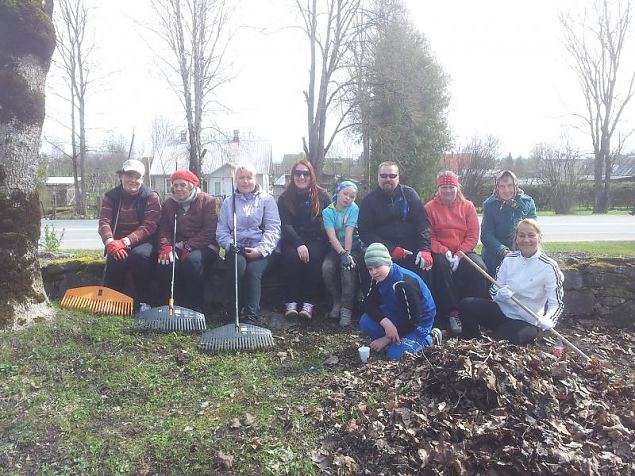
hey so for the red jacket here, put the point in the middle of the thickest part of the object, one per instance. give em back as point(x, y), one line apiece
point(197, 226)
point(452, 228)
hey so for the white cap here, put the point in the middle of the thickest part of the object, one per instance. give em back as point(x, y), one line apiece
point(133, 165)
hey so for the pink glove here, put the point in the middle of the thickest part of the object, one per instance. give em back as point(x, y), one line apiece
point(400, 253)
point(114, 246)
point(424, 260)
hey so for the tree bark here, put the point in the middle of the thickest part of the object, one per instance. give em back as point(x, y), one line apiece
point(27, 42)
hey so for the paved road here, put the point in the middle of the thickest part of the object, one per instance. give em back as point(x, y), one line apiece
point(82, 234)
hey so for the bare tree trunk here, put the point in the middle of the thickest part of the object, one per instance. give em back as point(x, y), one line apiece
point(27, 41)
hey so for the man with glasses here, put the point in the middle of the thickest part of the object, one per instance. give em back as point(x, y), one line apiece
point(128, 222)
point(393, 215)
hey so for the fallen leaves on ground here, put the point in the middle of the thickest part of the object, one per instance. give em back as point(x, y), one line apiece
point(480, 407)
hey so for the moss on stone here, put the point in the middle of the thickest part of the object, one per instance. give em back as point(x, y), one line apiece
point(26, 28)
point(18, 101)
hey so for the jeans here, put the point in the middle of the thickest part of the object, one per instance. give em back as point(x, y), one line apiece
point(411, 342)
point(249, 281)
point(476, 312)
point(139, 264)
point(188, 277)
point(302, 280)
point(340, 283)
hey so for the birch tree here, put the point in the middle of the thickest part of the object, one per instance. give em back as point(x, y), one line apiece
point(27, 42)
point(196, 33)
point(596, 42)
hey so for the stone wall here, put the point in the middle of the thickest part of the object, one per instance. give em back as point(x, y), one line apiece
point(595, 288)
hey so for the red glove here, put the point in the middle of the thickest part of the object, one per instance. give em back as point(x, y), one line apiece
point(120, 255)
point(185, 252)
point(114, 246)
point(399, 253)
point(165, 254)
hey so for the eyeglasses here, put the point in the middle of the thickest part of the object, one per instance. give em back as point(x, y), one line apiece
point(391, 176)
point(302, 173)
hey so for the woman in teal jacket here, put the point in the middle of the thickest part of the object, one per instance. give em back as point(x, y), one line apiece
point(501, 213)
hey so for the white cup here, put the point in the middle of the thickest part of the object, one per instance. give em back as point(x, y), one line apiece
point(364, 353)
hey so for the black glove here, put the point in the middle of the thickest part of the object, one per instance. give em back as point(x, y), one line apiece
point(346, 261)
point(235, 249)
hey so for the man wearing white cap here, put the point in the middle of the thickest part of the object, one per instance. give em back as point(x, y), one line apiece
point(128, 221)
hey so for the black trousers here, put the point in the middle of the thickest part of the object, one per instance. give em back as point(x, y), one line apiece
point(476, 312)
point(140, 264)
point(188, 278)
point(302, 281)
point(449, 287)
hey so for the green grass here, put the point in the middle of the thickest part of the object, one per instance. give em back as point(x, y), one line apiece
point(86, 395)
point(595, 248)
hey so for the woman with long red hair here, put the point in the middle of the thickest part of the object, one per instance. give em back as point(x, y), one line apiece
point(304, 242)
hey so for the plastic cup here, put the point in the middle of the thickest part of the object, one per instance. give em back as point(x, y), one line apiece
point(364, 353)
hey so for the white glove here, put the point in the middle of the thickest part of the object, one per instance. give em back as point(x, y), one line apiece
point(505, 293)
point(421, 262)
point(545, 323)
point(453, 260)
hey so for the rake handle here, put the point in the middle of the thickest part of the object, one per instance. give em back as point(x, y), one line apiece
point(523, 306)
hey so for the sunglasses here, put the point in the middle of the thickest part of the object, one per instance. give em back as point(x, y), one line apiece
point(302, 173)
point(391, 176)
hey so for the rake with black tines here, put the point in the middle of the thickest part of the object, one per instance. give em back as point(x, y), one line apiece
point(170, 318)
point(236, 336)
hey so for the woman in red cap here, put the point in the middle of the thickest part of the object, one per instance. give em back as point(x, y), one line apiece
point(453, 227)
point(195, 246)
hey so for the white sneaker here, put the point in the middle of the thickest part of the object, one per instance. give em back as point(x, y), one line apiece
point(345, 317)
point(455, 323)
point(291, 310)
point(307, 310)
point(436, 336)
point(335, 310)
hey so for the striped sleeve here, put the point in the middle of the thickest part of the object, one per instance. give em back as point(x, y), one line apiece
point(554, 288)
point(105, 219)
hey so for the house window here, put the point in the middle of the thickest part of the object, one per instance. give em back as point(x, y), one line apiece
point(217, 188)
point(204, 186)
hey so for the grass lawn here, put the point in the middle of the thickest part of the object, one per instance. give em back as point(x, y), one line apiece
point(594, 248)
point(86, 395)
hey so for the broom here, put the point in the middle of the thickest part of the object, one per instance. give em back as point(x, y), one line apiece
point(99, 299)
point(523, 306)
point(170, 318)
point(236, 336)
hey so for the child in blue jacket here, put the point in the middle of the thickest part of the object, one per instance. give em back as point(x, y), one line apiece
point(398, 309)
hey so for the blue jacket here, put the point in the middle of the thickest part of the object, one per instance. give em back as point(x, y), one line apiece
point(498, 225)
point(404, 298)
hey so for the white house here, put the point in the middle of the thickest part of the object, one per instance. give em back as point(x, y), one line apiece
point(217, 166)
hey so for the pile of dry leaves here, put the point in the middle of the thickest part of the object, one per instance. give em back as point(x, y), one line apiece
point(481, 407)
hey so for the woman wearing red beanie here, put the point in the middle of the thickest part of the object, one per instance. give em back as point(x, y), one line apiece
point(195, 246)
point(453, 227)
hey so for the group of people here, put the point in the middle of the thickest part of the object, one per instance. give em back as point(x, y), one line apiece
point(413, 262)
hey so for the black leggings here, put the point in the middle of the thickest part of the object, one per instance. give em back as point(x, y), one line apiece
point(476, 312)
point(302, 281)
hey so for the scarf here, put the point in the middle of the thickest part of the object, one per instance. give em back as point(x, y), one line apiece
point(512, 202)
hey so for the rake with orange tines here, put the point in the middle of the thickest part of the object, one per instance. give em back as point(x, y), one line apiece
point(99, 299)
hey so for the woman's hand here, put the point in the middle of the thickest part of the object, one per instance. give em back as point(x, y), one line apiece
point(303, 253)
point(390, 329)
point(380, 344)
point(251, 254)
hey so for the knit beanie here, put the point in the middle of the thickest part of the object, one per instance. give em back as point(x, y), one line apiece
point(377, 255)
point(185, 175)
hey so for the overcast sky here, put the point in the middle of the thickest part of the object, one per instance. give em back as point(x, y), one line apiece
point(510, 75)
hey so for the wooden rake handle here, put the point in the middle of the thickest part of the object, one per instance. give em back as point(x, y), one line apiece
point(523, 306)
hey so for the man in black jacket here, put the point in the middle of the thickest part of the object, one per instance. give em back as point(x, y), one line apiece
point(393, 215)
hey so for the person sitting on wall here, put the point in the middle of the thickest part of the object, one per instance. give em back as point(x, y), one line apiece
point(257, 235)
point(398, 309)
point(128, 221)
point(502, 211)
point(453, 227)
point(195, 247)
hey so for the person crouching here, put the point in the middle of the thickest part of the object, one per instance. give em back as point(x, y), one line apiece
point(398, 309)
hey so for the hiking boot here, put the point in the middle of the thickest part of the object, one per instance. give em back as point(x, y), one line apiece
point(291, 310)
point(345, 317)
point(436, 336)
point(335, 311)
point(252, 320)
point(455, 322)
point(307, 310)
